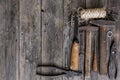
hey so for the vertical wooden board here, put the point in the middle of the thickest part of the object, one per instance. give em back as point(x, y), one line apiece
point(11, 39)
point(118, 48)
point(93, 3)
point(2, 42)
point(29, 38)
point(75, 4)
point(8, 39)
point(52, 34)
point(104, 3)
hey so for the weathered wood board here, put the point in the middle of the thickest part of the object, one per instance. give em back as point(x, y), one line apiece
point(30, 38)
point(36, 32)
point(9, 22)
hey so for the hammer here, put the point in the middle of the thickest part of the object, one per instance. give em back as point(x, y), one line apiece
point(88, 51)
point(107, 29)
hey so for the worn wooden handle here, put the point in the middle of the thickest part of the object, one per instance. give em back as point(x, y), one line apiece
point(95, 65)
point(74, 62)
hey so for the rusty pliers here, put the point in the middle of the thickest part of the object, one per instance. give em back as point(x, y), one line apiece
point(62, 71)
point(112, 70)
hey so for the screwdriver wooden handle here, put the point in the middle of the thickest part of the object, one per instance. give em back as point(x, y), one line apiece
point(74, 62)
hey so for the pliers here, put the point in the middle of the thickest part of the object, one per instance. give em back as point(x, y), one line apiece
point(63, 71)
point(112, 72)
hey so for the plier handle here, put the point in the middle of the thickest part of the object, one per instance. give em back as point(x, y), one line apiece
point(63, 71)
point(112, 72)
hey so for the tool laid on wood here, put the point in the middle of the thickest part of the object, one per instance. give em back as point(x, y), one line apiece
point(107, 29)
point(88, 52)
point(62, 71)
point(112, 67)
point(74, 62)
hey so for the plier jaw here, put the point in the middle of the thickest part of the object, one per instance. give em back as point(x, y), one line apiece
point(112, 70)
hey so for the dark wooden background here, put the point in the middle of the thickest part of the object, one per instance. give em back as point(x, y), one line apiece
point(40, 32)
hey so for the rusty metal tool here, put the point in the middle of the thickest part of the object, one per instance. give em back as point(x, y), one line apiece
point(106, 27)
point(88, 52)
point(73, 69)
point(62, 71)
point(112, 67)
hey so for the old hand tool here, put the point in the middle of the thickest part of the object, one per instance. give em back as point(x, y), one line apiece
point(73, 70)
point(88, 52)
point(62, 71)
point(106, 27)
point(112, 70)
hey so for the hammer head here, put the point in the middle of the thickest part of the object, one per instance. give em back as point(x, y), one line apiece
point(88, 28)
point(104, 23)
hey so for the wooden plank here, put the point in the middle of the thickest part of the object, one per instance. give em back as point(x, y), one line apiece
point(52, 35)
point(93, 3)
point(2, 42)
point(9, 23)
point(29, 38)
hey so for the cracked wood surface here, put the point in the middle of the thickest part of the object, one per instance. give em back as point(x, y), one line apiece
point(41, 32)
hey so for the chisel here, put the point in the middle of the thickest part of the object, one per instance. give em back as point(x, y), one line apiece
point(105, 28)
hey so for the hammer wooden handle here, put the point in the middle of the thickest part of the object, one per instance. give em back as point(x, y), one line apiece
point(88, 54)
point(95, 54)
point(95, 65)
point(74, 62)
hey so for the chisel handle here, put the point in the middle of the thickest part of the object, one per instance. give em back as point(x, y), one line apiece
point(74, 60)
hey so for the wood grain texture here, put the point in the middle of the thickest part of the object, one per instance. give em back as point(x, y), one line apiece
point(29, 38)
point(52, 34)
point(9, 39)
point(93, 3)
point(41, 32)
point(2, 42)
